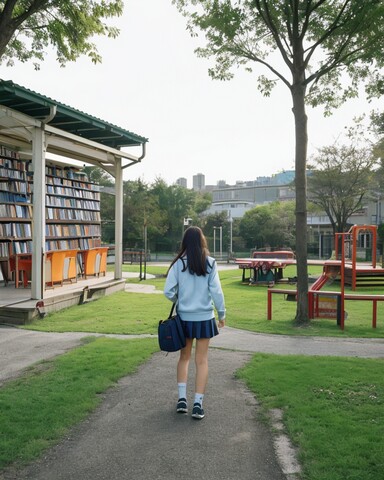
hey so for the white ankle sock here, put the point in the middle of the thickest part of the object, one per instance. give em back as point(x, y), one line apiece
point(182, 388)
point(199, 398)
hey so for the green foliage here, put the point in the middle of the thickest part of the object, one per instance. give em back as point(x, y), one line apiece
point(328, 38)
point(98, 175)
point(377, 125)
point(37, 409)
point(27, 28)
point(202, 202)
point(342, 178)
point(269, 225)
point(175, 203)
point(161, 207)
point(141, 208)
point(332, 409)
point(210, 224)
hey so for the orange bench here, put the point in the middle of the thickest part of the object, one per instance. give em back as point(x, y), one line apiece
point(60, 266)
point(95, 261)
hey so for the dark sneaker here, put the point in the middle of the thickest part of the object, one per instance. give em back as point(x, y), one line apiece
point(182, 406)
point(197, 411)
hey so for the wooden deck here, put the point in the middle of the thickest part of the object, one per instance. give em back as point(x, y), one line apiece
point(17, 307)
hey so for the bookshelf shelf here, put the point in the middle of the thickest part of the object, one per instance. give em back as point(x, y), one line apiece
point(72, 208)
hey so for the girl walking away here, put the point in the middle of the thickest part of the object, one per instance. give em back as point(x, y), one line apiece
point(193, 284)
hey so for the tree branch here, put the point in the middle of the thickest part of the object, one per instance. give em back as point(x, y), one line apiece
point(273, 29)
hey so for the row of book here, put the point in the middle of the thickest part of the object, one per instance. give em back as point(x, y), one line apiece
point(65, 172)
point(72, 244)
point(72, 214)
point(72, 183)
point(25, 246)
point(73, 192)
point(22, 246)
point(15, 211)
point(7, 152)
point(14, 186)
point(7, 172)
point(15, 230)
point(72, 230)
point(13, 197)
point(53, 201)
point(4, 249)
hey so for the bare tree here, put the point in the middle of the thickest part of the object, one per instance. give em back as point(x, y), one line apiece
point(342, 178)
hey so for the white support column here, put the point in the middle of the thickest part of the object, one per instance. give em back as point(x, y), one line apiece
point(118, 219)
point(38, 223)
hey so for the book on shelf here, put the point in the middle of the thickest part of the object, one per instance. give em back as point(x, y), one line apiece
point(72, 206)
point(22, 246)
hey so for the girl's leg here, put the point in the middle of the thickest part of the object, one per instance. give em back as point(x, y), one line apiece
point(201, 360)
point(182, 376)
point(183, 364)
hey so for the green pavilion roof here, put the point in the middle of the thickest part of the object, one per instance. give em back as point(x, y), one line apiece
point(66, 118)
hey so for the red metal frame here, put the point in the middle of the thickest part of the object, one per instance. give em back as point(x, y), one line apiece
point(354, 235)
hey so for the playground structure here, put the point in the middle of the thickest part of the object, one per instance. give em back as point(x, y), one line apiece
point(351, 272)
point(347, 268)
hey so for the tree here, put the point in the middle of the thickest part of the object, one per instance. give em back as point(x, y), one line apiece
point(141, 207)
point(377, 125)
point(269, 225)
point(211, 224)
point(175, 203)
point(342, 179)
point(313, 47)
point(202, 202)
point(27, 27)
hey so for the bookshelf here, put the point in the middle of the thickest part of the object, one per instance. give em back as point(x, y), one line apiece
point(72, 209)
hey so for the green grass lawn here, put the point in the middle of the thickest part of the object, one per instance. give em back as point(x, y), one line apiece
point(333, 411)
point(37, 409)
point(125, 312)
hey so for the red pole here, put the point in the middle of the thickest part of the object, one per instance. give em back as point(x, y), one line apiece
point(269, 305)
point(374, 314)
point(355, 232)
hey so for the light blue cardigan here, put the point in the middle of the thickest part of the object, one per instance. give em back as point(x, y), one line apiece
point(194, 294)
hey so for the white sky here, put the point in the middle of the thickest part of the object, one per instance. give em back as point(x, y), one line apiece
point(152, 83)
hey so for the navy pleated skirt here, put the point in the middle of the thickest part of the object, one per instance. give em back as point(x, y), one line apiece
point(200, 329)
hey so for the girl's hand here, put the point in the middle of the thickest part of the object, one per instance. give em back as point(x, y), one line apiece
point(222, 323)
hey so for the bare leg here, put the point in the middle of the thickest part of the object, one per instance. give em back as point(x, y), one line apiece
point(201, 360)
point(183, 364)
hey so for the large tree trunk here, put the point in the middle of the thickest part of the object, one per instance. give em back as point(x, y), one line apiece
point(301, 135)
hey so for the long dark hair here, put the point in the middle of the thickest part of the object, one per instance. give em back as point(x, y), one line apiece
point(194, 247)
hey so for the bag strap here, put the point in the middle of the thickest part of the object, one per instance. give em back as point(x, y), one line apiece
point(172, 309)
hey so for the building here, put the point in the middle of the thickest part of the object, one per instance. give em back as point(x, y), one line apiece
point(182, 182)
point(237, 199)
point(198, 182)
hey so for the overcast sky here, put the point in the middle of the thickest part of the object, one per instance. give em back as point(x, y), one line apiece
point(151, 83)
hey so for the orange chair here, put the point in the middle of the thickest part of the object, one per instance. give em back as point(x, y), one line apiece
point(95, 261)
point(55, 267)
point(21, 263)
point(70, 265)
point(103, 260)
point(90, 262)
